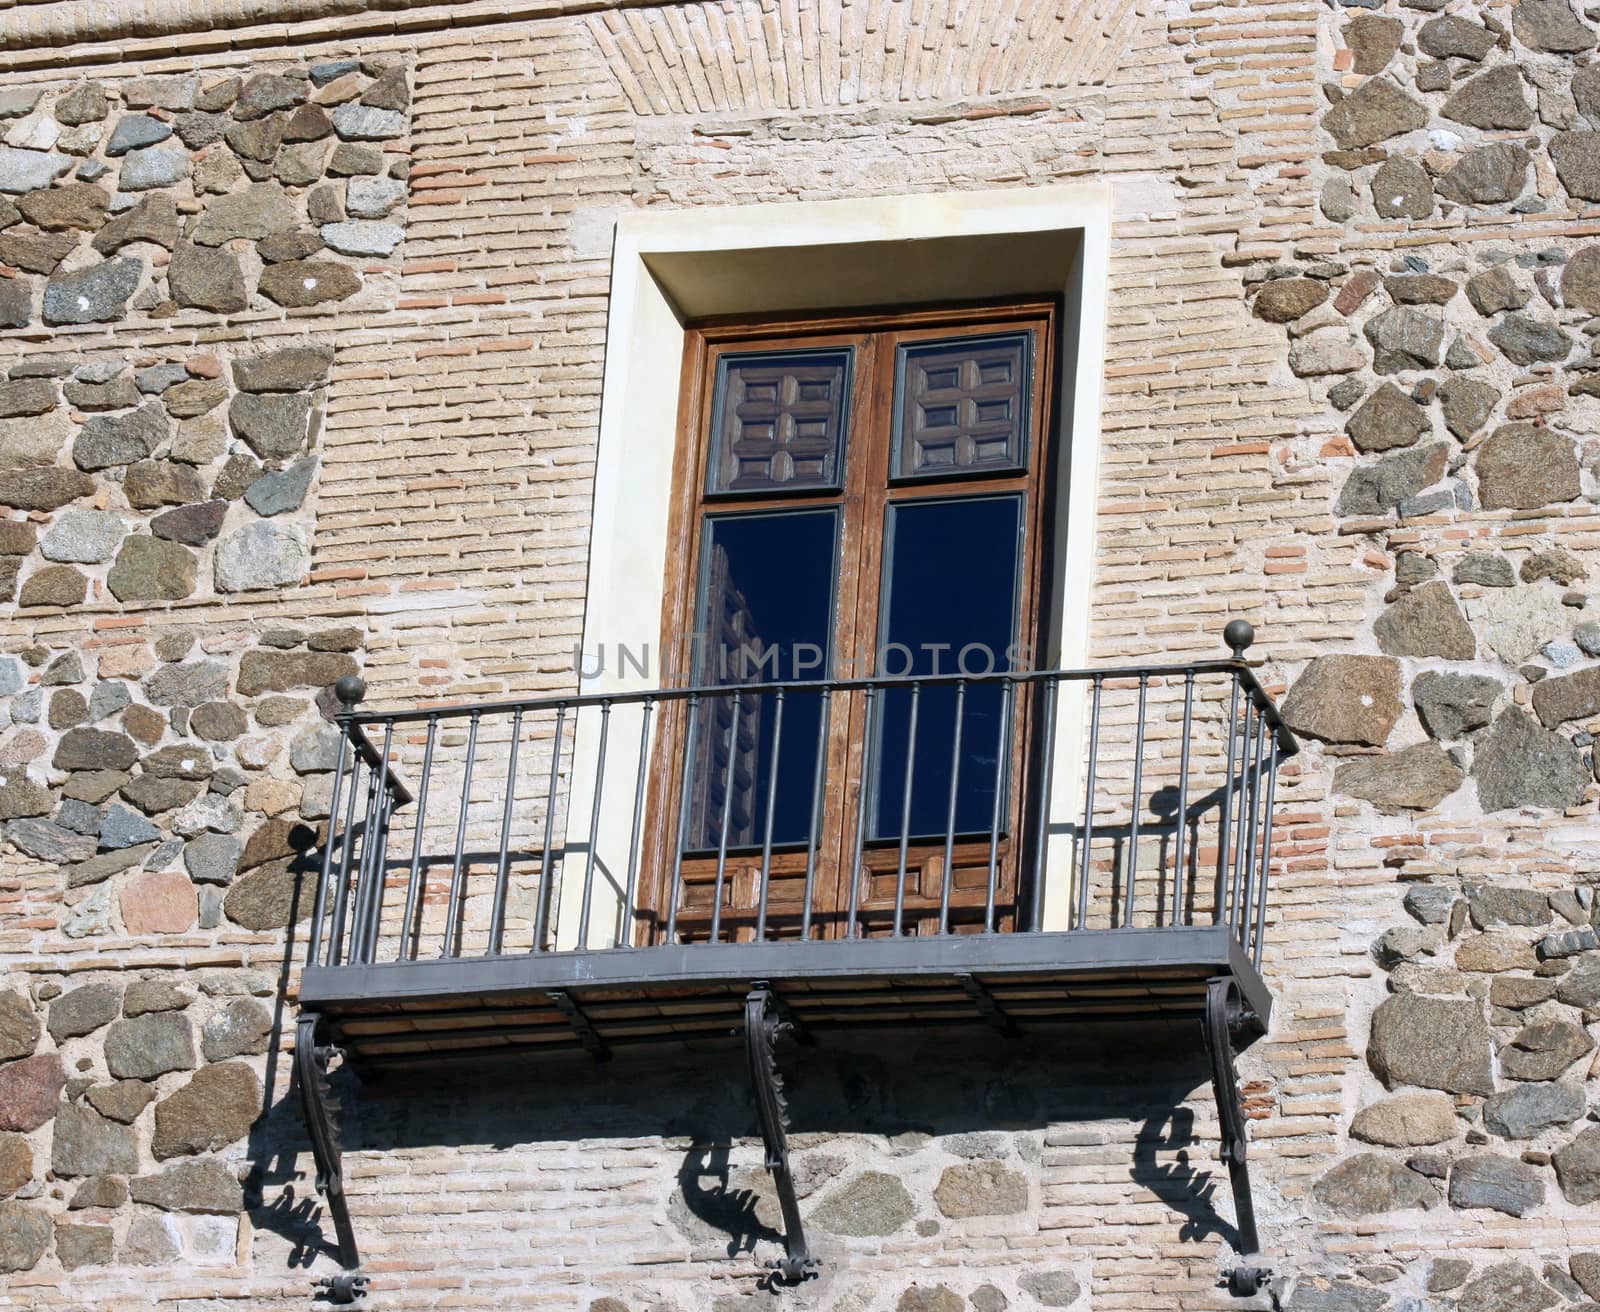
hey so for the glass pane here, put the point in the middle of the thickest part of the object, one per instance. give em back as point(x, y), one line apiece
point(961, 405)
point(778, 421)
point(765, 614)
point(950, 603)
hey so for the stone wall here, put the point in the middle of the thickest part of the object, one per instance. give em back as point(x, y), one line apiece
point(172, 246)
point(1347, 396)
point(130, 474)
point(173, 194)
point(1445, 311)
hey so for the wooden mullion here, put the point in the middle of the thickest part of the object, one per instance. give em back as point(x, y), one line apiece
point(868, 500)
point(835, 856)
point(1035, 555)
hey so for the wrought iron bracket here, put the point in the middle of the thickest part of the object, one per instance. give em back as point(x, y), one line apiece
point(593, 1044)
point(1224, 1017)
point(993, 1014)
point(321, 1110)
point(790, 1026)
point(764, 1021)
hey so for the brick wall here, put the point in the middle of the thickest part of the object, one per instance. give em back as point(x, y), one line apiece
point(1346, 396)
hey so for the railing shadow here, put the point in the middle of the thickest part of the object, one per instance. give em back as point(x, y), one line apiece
point(480, 865)
point(1202, 882)
point(278, 1196)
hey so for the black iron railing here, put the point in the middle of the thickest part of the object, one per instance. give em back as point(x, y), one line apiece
point(1049, 801)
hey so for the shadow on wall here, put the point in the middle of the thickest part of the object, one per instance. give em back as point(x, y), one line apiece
point(913, 1105)
point(1175, 1181)
point(725, 1206)
point(278, 1198)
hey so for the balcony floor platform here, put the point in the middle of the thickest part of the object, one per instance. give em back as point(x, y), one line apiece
point(442, 1008)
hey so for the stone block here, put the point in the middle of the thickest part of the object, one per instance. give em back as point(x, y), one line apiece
point(159, 902)
point(214, 1109)
point(150, 1046)
point(1434, 1043)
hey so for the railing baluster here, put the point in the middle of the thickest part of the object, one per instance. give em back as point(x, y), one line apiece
point(382, 889)
point(371, 918)
point(688, 785)
point(772, 805)
point(502, 874)
point(412, 928)
point(727, 814)
point(1002, 743)
point(949, 878)
point(1266, 860)
point(342, 888)
point(1242, 819)
point(1248, 821)
point(625, 923)
point(362, 890)
point(1086, 834)
point(358, 874)
point(319, 908)
point(857, 867)
point(372, 907)
point(371, 844)
point(1247, 893)
point(1138, 805)
point(1183, 800)
point(451, 946)
point(594, 829)
point(905, 809)
point(1224, 819)
point(819, 774)
point(541, 918)
point(1041, 840)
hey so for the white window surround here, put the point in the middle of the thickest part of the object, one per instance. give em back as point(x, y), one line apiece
point(671, 267)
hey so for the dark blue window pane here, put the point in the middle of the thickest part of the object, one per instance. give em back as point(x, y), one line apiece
point(765, 615)
point(950, 602)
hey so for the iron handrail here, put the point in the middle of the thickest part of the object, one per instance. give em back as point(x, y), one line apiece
point(1288, 743)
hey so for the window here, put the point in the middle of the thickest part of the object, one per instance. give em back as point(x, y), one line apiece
point(853, 497)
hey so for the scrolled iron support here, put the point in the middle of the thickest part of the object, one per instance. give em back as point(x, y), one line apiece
point(993, 1014)
point(321, 1110)
point(1225, 1016)
point(763, 1023)
point(585, 1032)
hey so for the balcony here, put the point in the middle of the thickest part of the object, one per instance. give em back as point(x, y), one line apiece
point(671, 865)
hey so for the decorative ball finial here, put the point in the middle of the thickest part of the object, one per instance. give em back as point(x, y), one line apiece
point(1238, 635)
point(350, 690)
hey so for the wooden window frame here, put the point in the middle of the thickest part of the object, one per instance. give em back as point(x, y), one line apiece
point(868, 487)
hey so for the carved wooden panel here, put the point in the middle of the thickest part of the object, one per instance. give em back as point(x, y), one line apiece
point(961, 406)
point(778, 421)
